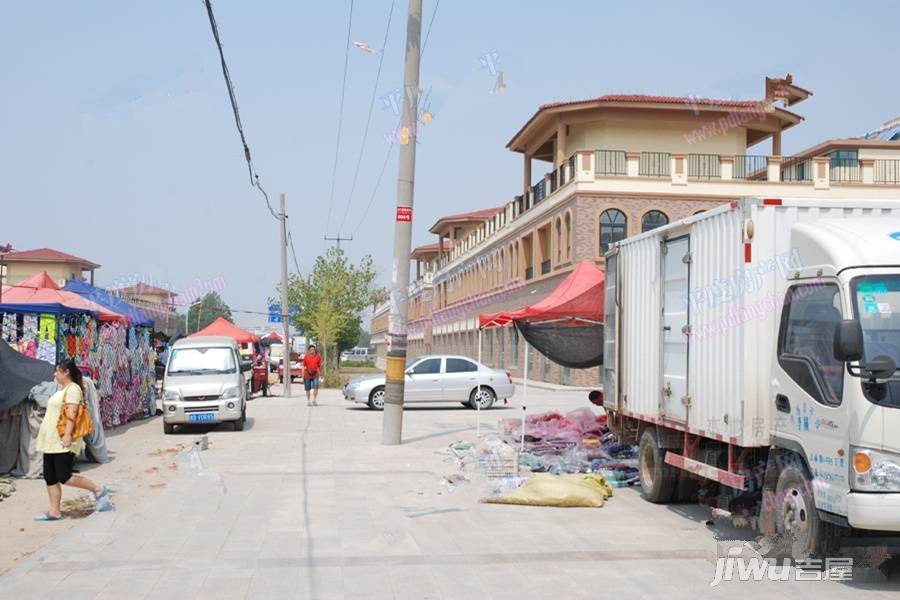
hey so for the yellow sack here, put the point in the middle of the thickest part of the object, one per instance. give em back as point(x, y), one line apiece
point(545, 489)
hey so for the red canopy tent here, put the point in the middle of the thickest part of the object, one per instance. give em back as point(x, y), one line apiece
point(40, 293)
point(566, 326)
point(579, 297)
point(226, 328)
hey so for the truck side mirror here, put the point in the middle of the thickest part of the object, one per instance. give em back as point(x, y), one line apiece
point(246, 365)
point(848, 340)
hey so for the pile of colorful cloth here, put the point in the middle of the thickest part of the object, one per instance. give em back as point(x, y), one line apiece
point(577, 442)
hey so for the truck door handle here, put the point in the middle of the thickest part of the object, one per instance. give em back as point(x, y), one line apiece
point(782, 403)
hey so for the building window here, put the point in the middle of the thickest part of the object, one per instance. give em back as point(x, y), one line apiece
point(613, 228)
point(568, 235)
point(559, 241)
point(844, 158)
point(501, 343)
point(565, 375)
point(653, 219)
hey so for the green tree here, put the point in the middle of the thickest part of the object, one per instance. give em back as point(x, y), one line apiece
point(331, 301)
point(210, 308)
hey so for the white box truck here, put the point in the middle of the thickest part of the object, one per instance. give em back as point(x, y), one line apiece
point(756, 346)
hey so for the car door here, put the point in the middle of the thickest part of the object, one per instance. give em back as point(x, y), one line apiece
point(423, 381)
point(807, 388)
point(460, 377)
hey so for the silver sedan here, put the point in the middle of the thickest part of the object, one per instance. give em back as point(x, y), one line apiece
point(438, 379)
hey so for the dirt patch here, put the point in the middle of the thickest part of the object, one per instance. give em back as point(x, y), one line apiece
point(142, 463)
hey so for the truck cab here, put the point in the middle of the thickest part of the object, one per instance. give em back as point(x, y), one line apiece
point(834, 375)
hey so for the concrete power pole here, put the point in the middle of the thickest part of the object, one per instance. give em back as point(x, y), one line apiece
point(285, 312)
point(392, 430)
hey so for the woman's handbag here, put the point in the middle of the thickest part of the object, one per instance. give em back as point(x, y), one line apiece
point(83, 423)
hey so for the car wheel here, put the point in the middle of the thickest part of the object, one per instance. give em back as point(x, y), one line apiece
point(483, 400)
point(658, 480)
point(280, 379)
point(168, 428)
point(376, 398)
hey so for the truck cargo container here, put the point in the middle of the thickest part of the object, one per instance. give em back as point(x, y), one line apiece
point(755, 345)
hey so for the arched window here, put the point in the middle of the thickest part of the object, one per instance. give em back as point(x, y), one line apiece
point(568, 234)
point(501, 267)
point(559, 240)
point(653, 219)
point(613, 228)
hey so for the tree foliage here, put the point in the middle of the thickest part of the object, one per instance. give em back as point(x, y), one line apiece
point(331, 300)
point(210, 308)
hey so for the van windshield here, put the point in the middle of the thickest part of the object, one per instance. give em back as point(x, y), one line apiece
point(876, 300)
point(202, 361)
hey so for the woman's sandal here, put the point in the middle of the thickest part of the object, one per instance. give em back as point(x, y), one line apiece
point(48, 517)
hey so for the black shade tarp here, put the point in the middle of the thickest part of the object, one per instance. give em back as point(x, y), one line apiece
point(18, 374)
point(570, 343)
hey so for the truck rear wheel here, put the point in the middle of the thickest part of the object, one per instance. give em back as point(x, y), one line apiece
point(797, 521)
point(658, 480)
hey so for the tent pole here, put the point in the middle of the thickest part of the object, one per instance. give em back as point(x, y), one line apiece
point(478, 393)
point(524, 397)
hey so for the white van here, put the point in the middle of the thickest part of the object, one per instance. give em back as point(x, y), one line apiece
point(205, 383)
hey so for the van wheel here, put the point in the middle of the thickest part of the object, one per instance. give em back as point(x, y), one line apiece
point(797, 521)
point(168, 428)
point(239, 424)
point(376, 398)
point(658, 480)
point(484, 400)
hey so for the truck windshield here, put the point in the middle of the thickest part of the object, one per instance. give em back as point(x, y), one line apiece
point(876, 301)
point(202, 361)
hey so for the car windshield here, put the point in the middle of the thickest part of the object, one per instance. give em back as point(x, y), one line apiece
point(202, 361)
point(876, 301)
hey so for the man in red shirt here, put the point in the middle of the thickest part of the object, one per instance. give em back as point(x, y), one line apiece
point(312, 364)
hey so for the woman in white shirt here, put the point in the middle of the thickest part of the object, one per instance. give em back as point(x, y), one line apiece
point(59, 452)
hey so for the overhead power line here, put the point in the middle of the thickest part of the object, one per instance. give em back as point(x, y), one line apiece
point(337, 145)
point(294, 252)
point(362, 146)
point(254, 176)
point(390, 149)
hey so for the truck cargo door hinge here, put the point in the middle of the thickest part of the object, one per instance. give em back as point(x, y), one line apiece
point(686, 330)
point(687, 258)
point(686, 400)
point(663, 248)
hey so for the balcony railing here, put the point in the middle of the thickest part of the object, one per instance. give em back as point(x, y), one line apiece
point(751, 167)
point(545, 267)
point(845, 170)
point(554, 180)
point(610, 162)
point(529, 273)
point(539, 190)
point(887, 171)
point(571, 163)
point(704, 166)
point(795, 168)
point(655, 164)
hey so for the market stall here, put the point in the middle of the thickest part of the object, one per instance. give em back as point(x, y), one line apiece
point(43, 321)
point(127, 377)
point(250, 346)
point(566, 326)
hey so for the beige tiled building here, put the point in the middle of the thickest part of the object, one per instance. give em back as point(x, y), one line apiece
point(615, 166)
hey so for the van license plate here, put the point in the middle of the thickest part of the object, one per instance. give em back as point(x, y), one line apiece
point(201, 417)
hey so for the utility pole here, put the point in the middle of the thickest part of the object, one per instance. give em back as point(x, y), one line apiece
point(286, 360)
point(338, 239)
point(392, 428)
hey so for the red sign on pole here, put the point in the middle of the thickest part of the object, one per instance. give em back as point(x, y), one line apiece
point(404, 214)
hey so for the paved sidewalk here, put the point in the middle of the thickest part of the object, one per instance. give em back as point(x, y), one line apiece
point(306, 503)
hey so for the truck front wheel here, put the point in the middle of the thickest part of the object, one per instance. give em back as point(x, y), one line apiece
point(658, 480)
point(797, 521)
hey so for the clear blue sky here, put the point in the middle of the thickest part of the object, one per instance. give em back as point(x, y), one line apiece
point(118, 142)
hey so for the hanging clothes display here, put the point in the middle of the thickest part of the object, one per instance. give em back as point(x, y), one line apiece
point(28, 343)
point(46, 349)
point(10, 328)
